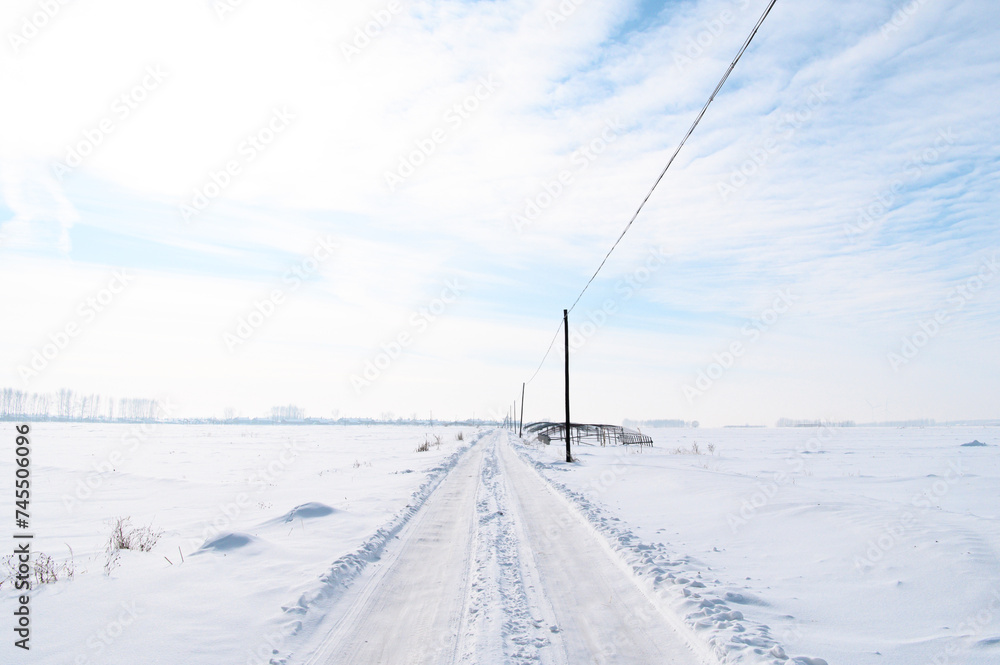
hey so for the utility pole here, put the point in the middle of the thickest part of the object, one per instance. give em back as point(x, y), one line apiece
point(569, 456)
point(520, 426)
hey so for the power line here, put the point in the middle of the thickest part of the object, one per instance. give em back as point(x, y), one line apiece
point(690, 131)
point(551, 344)
point(722, 82)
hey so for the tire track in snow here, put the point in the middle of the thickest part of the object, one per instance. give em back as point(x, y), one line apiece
point(504, 619)
point(676, 584)
point(406, 610)
point(313, 605)
point(603, 616)
point(478, 577)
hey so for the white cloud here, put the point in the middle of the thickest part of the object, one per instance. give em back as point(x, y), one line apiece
point(42, 215)
point(884, 96)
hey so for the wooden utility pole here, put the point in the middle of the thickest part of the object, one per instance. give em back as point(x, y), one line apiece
point(569, 456)
point(520, 426)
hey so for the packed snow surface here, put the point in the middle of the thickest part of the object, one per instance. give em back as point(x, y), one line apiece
point(497, 568)
point(295, 545)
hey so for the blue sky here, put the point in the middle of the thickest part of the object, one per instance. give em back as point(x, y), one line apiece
point(850, 163)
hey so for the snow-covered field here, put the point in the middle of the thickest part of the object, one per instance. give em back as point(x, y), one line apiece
point(856, 545)
point(237, 485)
point(849, 545)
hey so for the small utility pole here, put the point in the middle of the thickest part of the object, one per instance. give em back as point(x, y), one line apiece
point(569, 456)
point(520, 426)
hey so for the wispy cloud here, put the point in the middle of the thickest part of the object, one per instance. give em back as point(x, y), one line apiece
point(820, 168)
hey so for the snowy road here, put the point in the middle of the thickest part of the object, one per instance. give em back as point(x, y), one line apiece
point(497, 568)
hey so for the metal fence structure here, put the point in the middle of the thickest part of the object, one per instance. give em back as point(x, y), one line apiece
point(589, 434)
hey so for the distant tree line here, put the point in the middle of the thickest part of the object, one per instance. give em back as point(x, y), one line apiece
point(790, 422)
point(658, 423)
point(68, 405)
point(286, 413)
